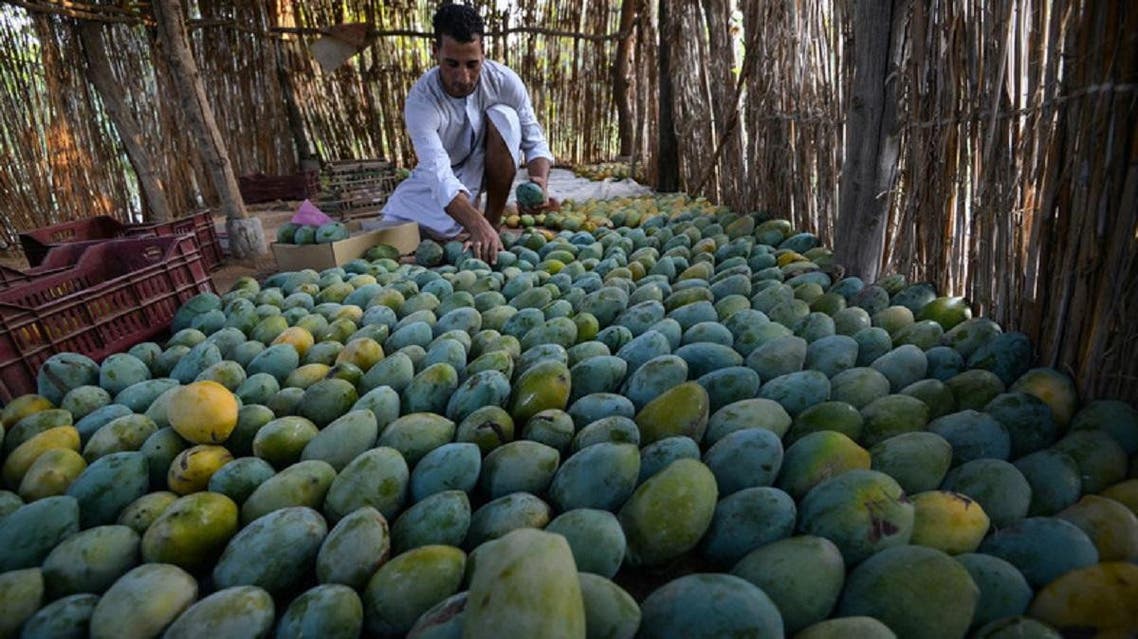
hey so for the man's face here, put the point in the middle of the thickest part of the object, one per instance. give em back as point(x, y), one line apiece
point(460, 64)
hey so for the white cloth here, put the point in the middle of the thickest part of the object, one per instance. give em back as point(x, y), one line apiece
point(449, 134)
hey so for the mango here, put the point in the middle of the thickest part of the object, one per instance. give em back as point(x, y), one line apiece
point(546, 385)
point(332, 611)
point(729, 385)
point(778, 356)
point(601, 374)
point(863, 627)
point(90, 561)
point(278, 360)
point(872, 343)
point(108, 485)
point(918, 461)
point(1027, 420)
point(1110, 525)
point(1029, 545)
point(191, 470)
point(944, 363)
point(302, 484)
point(240, 611)
point(273, 552)
point(203, 412)
point(836, 416)
point(85, 400)
point(395, 371)
point(125, 433)
point(354, 549)
point(23, 456)
point(797, 391)
point(440, 519)
point(653, 378)
point(1053, 388)
point(681, 410)
point(948, 521)
point(861, 511)
point(859, 386)
point(1003, 590)
point(500, 516)
point(609, 610)
point(409, 585)
point(916, 591)
point(21, 407)
point(63, 372)
point(483, 388)
point(817, 457)
point(709, 605)
point(747, 413)
point(377, 478)
point(1101, 460)
point(1096, 598)
point(935, 394)
point(746, 520)
point(416, 434)
point(1007, 355)
point(890, 416)
point(595, 539)
point(382, 401)
point(281, 441)
point(33, 425)
point(600, 476)
point(802, 575)
point(64, 618)
point(192, 531)
point(999, 487)
point(454, 466)
point(554, 427)
point(257, 389)
point(521, 466)
point(614, 429)
point(975, 388)
point(143, 602)
point(51, 473)
point(525, 581)
point(143, 511)
point(684, 495)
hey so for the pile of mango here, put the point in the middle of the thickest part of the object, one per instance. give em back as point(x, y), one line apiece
point(592, 215)
point(293, 233)
point(687, 427)
point(603, 171)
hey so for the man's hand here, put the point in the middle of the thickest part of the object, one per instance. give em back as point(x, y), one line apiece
point(548, 204)
point(484, 241)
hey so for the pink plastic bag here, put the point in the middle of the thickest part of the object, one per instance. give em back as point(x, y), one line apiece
point(309, 214)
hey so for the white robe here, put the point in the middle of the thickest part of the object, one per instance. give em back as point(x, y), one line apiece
point(448, 135)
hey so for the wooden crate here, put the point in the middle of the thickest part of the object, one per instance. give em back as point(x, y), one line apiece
point(351, 188)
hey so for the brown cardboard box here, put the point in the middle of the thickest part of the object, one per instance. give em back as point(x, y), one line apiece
point(402, 235)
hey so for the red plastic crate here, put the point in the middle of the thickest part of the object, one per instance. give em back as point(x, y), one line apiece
point(199, 224)
point(120, 293)
point(38, 242)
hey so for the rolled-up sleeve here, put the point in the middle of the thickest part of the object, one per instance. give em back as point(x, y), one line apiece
point(514, 94)
point(423, 123)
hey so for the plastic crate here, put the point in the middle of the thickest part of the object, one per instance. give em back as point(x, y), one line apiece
point(199, 224)
point(38, 242)
point(120, 293)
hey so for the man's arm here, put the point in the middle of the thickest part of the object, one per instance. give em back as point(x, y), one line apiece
point(484, 240)
point(423, 123)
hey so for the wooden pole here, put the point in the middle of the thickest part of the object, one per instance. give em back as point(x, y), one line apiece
point(620, 77)
point(667, 152)
point(110, 91)
point(246, 235)
point(872, 137)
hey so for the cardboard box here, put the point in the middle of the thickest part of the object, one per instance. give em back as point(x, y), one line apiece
point(402, 235)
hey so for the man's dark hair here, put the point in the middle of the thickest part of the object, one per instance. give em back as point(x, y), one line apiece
point(459, 21)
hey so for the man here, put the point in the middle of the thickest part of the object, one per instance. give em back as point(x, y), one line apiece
point(469, 119)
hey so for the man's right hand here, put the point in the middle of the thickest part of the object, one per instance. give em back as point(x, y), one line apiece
point(484, 241)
